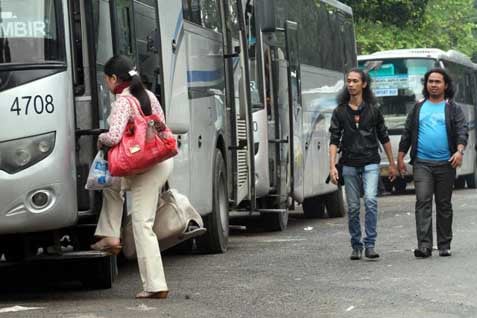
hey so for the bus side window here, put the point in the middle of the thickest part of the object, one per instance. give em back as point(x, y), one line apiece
point(191, 11)
point(210, 14)
point(469, 92)
point(124, 40)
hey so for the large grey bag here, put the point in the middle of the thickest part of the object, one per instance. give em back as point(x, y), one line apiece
point(176, 221)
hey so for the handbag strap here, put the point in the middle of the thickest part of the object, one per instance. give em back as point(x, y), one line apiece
point(135, 104)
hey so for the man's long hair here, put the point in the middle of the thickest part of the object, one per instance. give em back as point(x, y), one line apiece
point(368, 95)
point(449, 92)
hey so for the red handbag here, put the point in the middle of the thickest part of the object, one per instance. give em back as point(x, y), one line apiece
point(145, 142)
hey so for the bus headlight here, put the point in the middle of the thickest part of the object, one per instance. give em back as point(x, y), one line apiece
point(19, 154)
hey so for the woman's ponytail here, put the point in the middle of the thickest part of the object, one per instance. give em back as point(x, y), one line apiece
point(137, 90)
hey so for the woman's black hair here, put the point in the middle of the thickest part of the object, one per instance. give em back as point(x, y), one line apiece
point(368, 95)
point(120, 66)
point(449, 92)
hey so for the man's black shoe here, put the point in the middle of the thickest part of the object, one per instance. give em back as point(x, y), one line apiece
point(369, 252)
point(445, 252)
point(356, 254)
point(422, 252)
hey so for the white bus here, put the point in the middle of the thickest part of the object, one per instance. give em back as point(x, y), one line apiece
point(397, 83)
point(307, 72)
point(246, 89)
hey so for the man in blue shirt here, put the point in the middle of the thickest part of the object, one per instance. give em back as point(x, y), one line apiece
point(436, 131)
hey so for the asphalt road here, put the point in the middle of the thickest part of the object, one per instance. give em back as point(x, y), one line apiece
point(304, 271)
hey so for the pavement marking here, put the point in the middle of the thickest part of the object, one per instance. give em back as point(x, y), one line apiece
point(18, 308)
point(350, 308)
point(84, 316)
point(283, 240)
point(142, 307)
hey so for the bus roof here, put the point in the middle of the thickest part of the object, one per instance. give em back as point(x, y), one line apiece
point(451, 55)
point(339, 5)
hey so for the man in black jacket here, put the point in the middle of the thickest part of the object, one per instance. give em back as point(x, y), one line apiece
point(357, 127)
point(436, 131)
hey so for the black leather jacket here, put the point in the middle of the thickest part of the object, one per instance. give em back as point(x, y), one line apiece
point(456, 126)
point(359, 144)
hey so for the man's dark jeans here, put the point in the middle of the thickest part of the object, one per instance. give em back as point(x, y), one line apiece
point(434, 179)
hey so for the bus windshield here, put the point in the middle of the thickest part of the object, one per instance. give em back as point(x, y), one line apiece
point(30, 32)
point(397, 84)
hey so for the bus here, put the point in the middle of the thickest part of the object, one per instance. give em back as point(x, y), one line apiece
point(397, 83)
point(308, 64)
point(245, 89)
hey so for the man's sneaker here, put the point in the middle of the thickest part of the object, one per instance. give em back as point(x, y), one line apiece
point(356, 253)
point(422, 252)
point(445, 252)
point(369, 252)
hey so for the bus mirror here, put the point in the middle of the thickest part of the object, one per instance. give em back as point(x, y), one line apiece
point(178, 128)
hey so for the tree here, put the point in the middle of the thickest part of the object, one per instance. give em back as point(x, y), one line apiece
point(392, 24)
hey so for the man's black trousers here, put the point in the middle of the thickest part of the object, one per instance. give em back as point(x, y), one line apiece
point(434, 179)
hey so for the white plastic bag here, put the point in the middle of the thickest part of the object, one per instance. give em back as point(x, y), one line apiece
point(99, 177)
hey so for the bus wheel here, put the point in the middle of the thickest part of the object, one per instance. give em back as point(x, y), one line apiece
point(314, 207)
point(388, 186)
point(217, 223)
point(275, 221)
point(335, 204)
point(400, 185)
point(471, 179)
point(459, 183)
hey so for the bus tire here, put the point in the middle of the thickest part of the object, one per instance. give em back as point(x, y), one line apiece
point(275, 221)
point(471, 179)
point(215, 240)
point(400, 185)
point(459, 183)
point(334, 203)
point(388, 185)
point(314, 207)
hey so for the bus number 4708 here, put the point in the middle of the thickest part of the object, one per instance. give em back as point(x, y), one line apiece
point(37, 104)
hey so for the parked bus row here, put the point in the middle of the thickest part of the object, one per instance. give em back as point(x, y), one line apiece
point(397, 82)
point(247, 87)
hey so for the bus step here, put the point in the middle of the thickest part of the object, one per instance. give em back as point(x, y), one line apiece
point(237, 227)
point(237, 212)
point(276, 195)
point(278, 141)
point(272, 210)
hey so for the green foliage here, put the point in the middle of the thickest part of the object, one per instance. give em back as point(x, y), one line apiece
point(388, 12)
point(392, 24)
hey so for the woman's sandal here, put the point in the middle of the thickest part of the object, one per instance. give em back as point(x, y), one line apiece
point(101, 247)
point(156, 295)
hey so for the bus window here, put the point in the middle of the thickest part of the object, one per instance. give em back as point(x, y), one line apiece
point(210, 14)
point(349, 54)
point(458, 72)
point(397, 84)
point(104, 51)
point(124, 40)
point(191, 11)
point(30, 35)
point(29, 32)
point(145, 28)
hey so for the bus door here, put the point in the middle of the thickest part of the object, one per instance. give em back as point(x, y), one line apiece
point(169, 41)
point(93, 46)
point(295, 114)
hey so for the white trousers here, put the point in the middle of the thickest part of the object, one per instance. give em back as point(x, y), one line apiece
point(145, 189)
